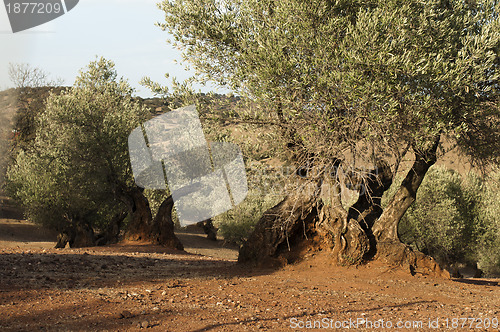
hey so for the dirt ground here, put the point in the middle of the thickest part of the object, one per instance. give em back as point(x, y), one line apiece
point(135, 286)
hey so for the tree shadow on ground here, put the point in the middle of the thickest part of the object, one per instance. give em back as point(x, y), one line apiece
point(478, 282)
point(110, 266)
point(15, 230)
point(101, 277)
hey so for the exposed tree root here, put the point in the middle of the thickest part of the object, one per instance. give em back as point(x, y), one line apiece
point(400, 255)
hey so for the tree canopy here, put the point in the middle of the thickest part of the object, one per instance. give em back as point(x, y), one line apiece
point(74, 174)
point(353, 84)
point(347, 73)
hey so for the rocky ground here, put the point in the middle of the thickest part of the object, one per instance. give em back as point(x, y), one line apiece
point(136, 286)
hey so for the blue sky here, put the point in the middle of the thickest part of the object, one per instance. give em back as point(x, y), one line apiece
point(120, 30)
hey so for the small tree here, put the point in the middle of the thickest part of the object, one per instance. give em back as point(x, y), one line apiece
point(352, 85)
point(76, 176)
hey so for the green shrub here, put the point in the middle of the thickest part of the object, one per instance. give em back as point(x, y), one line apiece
point(454, 219)
point(439, 222)
point(237, 224)
point(488, 248)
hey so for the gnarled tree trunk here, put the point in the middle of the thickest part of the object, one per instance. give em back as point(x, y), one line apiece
point(78, 234)
point(281, 229)
point(142, 226)
point(139, 227)
point(317, 218)
point(111, 234)
point(385, 230)
point(159, 230)
point(352, 230)
point(163, 226)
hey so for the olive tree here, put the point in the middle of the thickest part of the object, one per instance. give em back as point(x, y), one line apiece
point(76, 176)
point(354, 87)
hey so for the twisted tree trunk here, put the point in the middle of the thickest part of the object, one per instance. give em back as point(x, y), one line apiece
point(385, 230)
point(143, 227)
point(281, 229)
point(111, 234)
point(316, 218)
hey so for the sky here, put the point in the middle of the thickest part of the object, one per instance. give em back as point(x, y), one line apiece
point(123, 31)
